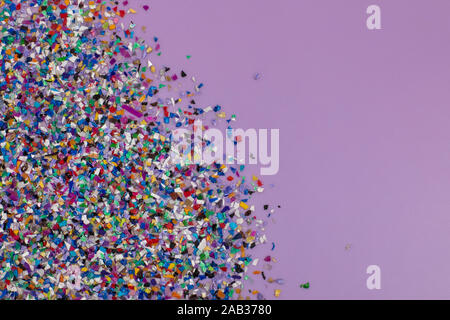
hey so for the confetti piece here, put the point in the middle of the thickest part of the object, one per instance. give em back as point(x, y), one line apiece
point(304, 285)
point(132, 110)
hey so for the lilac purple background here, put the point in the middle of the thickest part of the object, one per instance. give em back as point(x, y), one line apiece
point(364, 123)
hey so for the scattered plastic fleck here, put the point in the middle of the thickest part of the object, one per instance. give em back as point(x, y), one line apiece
point(304, 285)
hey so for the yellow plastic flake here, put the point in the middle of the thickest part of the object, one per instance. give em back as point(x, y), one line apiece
point(277, 292)
point(28, 219)
point(243, 205)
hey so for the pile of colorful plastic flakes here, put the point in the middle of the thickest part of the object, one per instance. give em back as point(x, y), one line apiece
point(91, 208)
